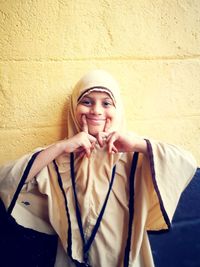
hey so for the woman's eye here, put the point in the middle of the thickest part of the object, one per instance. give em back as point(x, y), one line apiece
point(107, 103)
point(86, 102)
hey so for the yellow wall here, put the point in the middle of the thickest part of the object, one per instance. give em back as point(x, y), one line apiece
point(151, 46)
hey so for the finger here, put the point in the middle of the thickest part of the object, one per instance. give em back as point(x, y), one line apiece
point(100, 141)
point(88, 147)
point(87, 152)
point(81, 154)
point(114, 149)
point(101, 138)
point(112, 137)
point(93, 145)
point(79, 149)
point(92, 139)
point(110, 141)
point(107, 125)
point(84, 150)
point(85, 125)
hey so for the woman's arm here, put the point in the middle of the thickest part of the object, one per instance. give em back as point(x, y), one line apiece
point(118, 142)
point(80, 142)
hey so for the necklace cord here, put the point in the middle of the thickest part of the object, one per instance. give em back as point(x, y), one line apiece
point(87, 245)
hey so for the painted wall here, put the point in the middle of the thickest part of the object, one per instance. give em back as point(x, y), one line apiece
point(151, 46)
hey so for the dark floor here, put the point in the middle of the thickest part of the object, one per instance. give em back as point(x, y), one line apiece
point(181, 246)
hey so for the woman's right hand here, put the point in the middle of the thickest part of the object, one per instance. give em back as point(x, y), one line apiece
point(82, 143)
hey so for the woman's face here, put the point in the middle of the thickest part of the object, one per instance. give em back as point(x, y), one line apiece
point(97, 108)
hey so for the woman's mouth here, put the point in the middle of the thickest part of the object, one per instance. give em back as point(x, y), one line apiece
point(95, 120)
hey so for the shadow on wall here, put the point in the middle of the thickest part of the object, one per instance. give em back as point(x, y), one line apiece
point(181, 246)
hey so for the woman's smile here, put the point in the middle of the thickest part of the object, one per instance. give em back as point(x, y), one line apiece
point(95, 120)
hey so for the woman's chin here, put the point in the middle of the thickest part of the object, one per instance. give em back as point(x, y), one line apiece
point(95, 130)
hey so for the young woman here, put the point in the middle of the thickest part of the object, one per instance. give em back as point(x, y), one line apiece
point(102, 210)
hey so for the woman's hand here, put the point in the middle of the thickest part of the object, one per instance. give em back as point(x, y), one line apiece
point(102, 136)
point(118, 142)
point(82, 143)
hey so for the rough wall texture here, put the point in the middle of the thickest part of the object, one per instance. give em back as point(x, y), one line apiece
point(151, 46)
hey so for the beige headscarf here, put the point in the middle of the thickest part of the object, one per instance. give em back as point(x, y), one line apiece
point(96, 80)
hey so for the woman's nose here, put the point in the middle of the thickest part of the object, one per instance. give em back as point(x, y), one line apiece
point(97, 109)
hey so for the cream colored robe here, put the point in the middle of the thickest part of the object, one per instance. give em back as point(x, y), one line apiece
point(160, 179)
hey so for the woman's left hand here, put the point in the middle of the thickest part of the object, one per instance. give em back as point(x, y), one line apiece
point(120, 142)
point(124, 142)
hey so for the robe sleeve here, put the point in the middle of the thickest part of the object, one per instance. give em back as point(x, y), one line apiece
point(32, 208)
point(10, 175)
point(171, 170)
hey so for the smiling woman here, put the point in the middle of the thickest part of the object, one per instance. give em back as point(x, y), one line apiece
point(99, 84)
point(102, 188)
point(97, 108)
